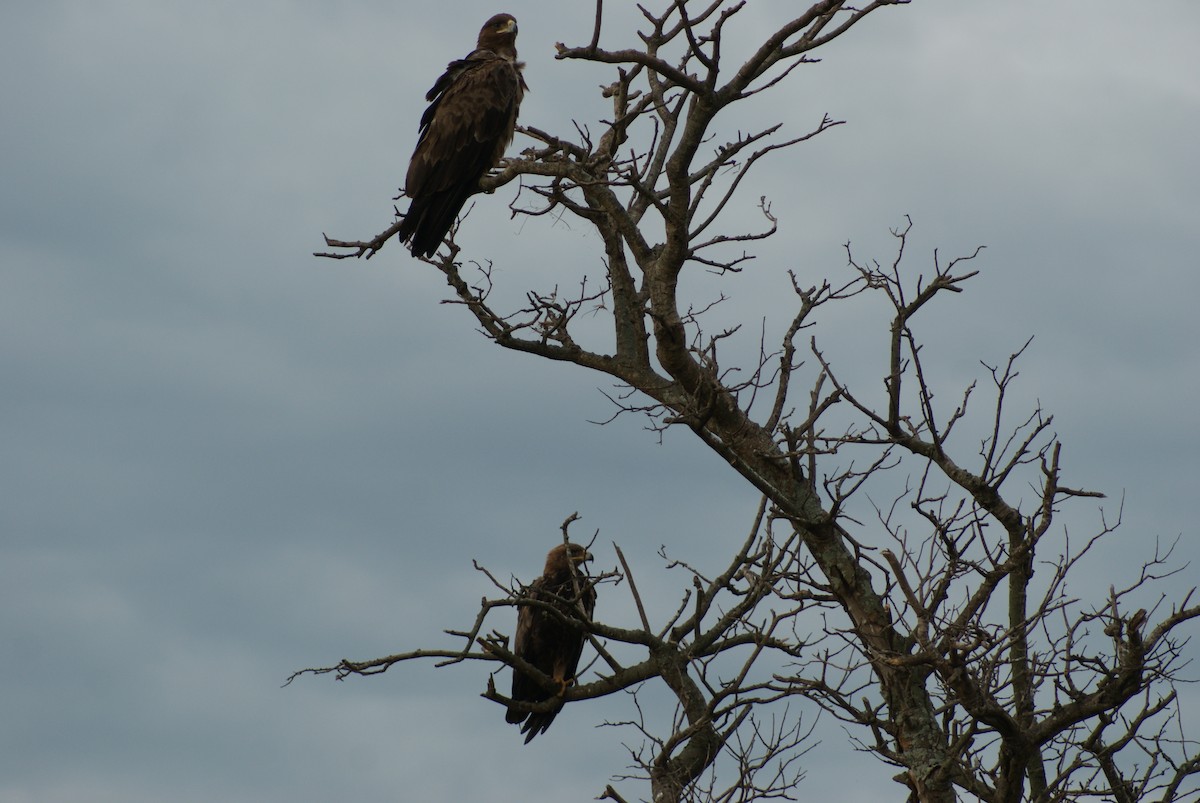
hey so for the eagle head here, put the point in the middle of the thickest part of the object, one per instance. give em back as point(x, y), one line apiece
point(499, 35)
point(563, 555)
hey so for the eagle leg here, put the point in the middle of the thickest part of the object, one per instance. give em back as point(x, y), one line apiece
point(564, 683)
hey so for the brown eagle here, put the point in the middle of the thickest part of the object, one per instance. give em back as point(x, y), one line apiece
point(470, 121)
point(546, 641)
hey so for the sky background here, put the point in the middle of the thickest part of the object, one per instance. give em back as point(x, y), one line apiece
point(225, 460)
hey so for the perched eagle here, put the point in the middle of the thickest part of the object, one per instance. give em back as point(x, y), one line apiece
point(470, 121)
point(545, 640)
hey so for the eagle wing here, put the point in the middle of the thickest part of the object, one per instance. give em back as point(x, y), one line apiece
point(469, 122)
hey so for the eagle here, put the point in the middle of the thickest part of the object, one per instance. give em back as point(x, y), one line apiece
point(545, 640)
point(470, 121)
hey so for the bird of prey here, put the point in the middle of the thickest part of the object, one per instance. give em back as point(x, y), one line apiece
point(470, 121)
point(545, 640)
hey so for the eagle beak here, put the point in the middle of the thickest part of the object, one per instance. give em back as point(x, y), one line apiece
point(510, 26)
point(586, 556)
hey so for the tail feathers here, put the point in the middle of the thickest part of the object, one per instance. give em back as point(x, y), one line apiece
point(430, 217)
point(537, 723)
point(534, 722)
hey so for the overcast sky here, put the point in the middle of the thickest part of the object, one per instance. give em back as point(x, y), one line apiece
point(224, 460)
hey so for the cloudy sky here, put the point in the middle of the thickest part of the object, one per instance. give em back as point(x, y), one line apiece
point(224, 460)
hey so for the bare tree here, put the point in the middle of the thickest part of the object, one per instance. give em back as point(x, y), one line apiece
point(961, 653)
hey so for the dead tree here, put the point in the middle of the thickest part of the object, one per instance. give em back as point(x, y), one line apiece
point(961, 652)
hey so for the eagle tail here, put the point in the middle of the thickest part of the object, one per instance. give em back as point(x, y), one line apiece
point(429, 218)
point(532, 722)
point(537, 723)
